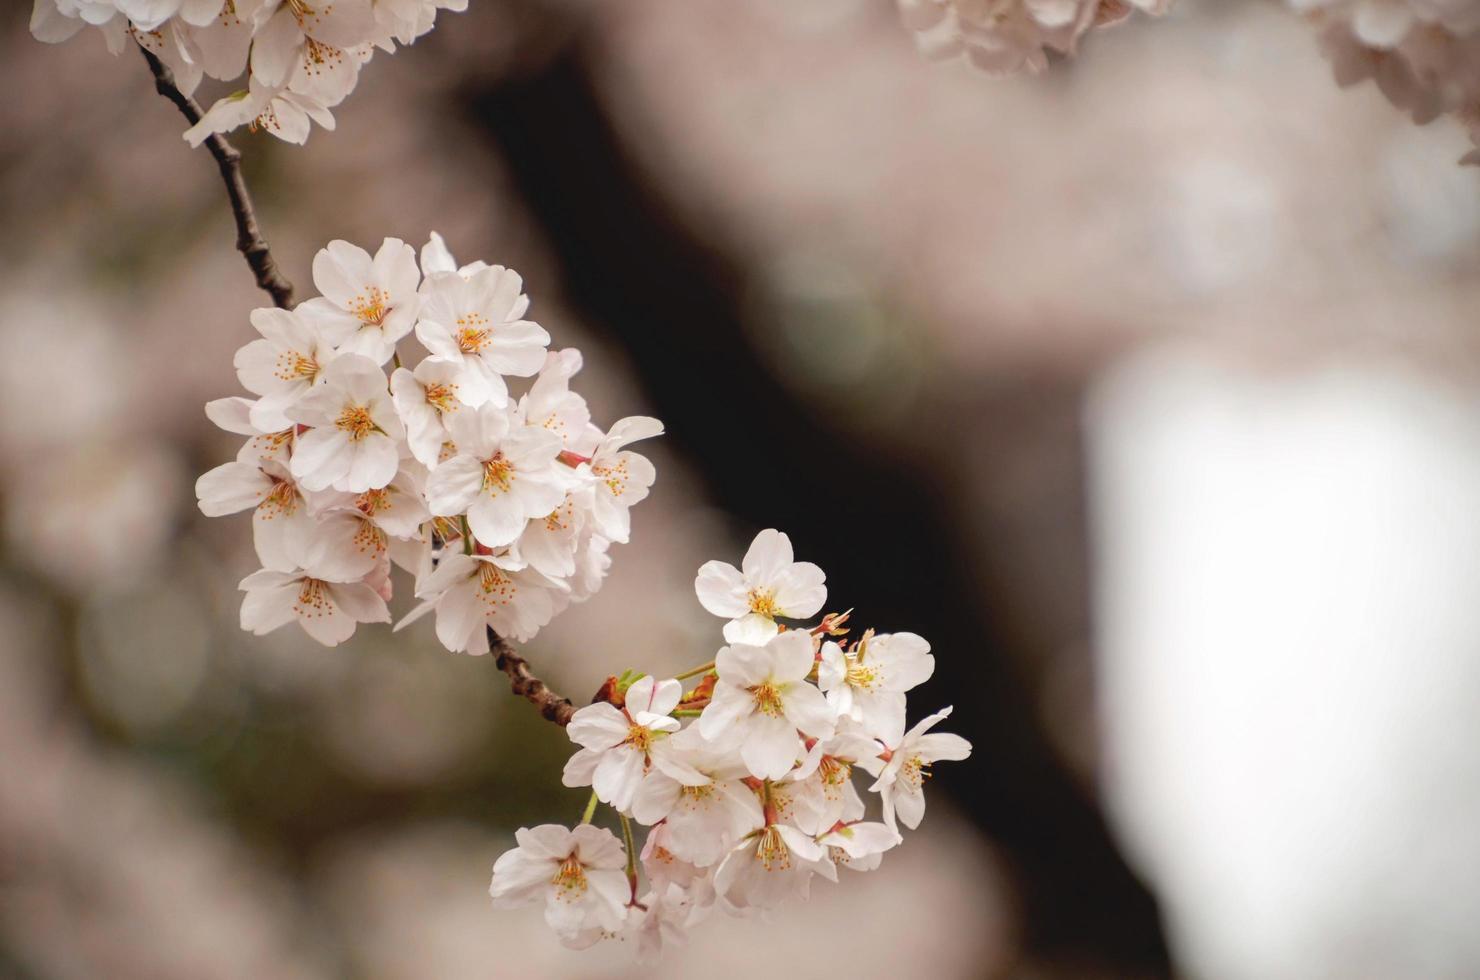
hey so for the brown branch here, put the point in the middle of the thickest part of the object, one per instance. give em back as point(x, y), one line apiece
point(248, 237)
point(249, 241)
point(552, 707)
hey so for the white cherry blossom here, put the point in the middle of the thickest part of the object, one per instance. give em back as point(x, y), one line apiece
point(425, 399)
point(623, 477)
point(352, 445)
point(858, 846)
point(867, 684)
point(472, 593)
point(327, 611)
point(368, 303)
point(501, 477)
point(763, 699)
point(900, 780)
point(771, 866)
point(282, 366)
point(618, 744)
point(578, 874)
point(767, 585)
point(283, 113)
point(697, 791)
point(476, 321)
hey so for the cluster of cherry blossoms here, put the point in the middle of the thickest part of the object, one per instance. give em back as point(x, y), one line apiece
point(302, 57)
point(1007, 36)
point(1424, 55)
point(503, 509)
point(754, 797)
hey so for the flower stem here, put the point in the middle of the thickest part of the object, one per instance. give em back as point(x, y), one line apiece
point(704, 669)
point(590, 808)
point(631, 852)
point(467, 534)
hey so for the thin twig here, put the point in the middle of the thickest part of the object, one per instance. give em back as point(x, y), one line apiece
point(248, 237)
point(552, 707)
point(249, 241)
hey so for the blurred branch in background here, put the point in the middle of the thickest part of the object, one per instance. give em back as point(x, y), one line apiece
point(635, 269)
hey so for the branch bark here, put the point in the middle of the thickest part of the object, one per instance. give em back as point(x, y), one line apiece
point(250, 243)
point(551, 706)
point(249, 239)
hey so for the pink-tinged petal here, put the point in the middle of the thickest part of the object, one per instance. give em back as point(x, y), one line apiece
point(909, 808)
point(320, 457)
point(454, 485)
point(548, 840)
point(230, 414)
point(730, 704)
point(768, 556)
point(266, 607)
point(617, 776)
point(439, 340)
point(665, 697)
point(721, 590)
point(598, 726)
point(800, 592)
point(459, 615)
point(743, 665)
point(580, 768)
point(629, 430)
point(341, 271)
point(325, 622)
point(276, 49)
point(598, 848)
point(808, 710)
point(771, 746)
point(279, 533)
point(942, 747)
point(496, 521)
point(655, 798)
point(372, 466)
point(435, 256)
point(231, 487)
point(904, 657)
point(361, 603)
point(792, 655)
point(752, 628)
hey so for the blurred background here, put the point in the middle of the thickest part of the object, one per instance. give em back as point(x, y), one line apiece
point(1144, 389)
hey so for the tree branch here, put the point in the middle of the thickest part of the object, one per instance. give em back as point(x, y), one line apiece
point(552, 707)
point(248, 237)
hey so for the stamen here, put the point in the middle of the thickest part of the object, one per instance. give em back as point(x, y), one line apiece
point(762, 601)
point(356, 421)
point(768, 699)
point(569, 881)
point(498, 474)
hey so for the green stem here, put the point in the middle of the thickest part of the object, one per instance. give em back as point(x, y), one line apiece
point(467, 535)
point(706, 668)
point(631, 852)
point(686, 712)
point(590, 808)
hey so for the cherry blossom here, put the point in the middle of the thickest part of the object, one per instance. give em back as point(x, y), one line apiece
point(767, 585)
point(618, 744)
point(475, 321)
point(623, 477)
point(762, 700)
point(867, 683)
point(576, 873)
point(900, 781)
point(328, 611)
point(352, 445)
point(368, 303)
point(282, 366)
point(501, 477)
